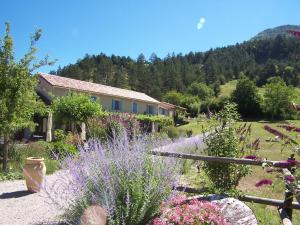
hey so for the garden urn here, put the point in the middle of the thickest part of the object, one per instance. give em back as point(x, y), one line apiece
point(34, 172)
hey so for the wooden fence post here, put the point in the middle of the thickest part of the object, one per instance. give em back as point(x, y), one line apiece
point(288, 195)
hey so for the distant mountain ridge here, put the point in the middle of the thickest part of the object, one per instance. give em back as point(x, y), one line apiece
point(274, 32)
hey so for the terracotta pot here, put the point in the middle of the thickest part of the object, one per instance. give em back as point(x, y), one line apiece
point(34, 172)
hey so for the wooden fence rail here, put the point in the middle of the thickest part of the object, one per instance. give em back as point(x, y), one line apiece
point(251, 162)
point(285, 207)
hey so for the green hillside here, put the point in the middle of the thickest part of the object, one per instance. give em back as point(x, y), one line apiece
point(228, 88)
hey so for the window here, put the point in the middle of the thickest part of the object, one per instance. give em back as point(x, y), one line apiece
point(162, 111)
point(150, 109)
point(93, 98)
point(116, 105)
point(134, 107)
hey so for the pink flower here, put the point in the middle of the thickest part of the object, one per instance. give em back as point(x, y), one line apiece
point(269, 170)
point(264, 182)
point(289, 178)
point(253, 157)
point(185, 212)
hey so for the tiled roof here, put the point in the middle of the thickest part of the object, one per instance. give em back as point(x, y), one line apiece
point(73, 84)
point(169, 106)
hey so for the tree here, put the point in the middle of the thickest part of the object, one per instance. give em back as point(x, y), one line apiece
point(246, 97)
point(201, 90)
point(18, 98)
point(174, 97)
point(278, 98)
point(75, 108)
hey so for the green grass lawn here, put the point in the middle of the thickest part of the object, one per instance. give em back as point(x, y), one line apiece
point(269, 150)
point(229, 87)
point(196, 125)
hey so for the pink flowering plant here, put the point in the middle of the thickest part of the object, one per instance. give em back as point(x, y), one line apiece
point(182, 211)
point(292, 181)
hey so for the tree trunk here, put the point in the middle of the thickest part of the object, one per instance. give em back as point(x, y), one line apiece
point(5, 152)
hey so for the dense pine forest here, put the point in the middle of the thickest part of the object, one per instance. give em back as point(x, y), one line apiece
point(258, 59)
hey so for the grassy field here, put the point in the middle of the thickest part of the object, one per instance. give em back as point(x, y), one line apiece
point(196, 125)
point(229, 87)
point(269, 150)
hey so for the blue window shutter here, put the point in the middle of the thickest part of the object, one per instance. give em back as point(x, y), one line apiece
point(137, 108)
point(113, 104)
point(120, 106)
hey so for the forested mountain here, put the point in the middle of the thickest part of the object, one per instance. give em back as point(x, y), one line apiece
point(257, 59)
point(274, 32)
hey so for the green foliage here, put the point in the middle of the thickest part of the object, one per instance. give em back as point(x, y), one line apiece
point(161, 120)
point(246, 97)
point(215, 104)
point(113, 124)
point(11, 175)
point(173, 97)
point(201, 90)
point(223, 141)
point(158, 76)
point(18, 98)
point(63, 144)
point(75, 108)
point(192, 103)
point(18, 154)
point(278, 99)
point(173, 133)
point(189, 132)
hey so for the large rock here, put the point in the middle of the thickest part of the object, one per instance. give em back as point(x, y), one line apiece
point(236, 212)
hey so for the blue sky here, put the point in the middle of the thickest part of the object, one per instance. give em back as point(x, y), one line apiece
point(72, 28)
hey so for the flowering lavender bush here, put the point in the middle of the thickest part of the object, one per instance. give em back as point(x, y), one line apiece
point(178, 211)
point(119, 176)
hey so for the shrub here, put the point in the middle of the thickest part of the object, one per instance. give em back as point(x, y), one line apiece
point(19, 153)
point(173, 132)
point(120, 176)
point(179, 211)
point(246, 97)
point(163, 121)
point(63, 144)
point(224, 141)
point(278, 99)
point(189, 133)
point(75, 107)
point(215, 104)
point(105, 127)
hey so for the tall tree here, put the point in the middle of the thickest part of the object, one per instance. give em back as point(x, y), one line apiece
point(18, 98)
point(278, 98)
point(246, 97)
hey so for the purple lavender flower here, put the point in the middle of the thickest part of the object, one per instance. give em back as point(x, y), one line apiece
point(289, 178)
point(264, 182)
point(253, 157)
point(109, 174)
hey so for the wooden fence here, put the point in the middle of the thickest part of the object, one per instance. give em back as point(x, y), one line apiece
point(285, 207)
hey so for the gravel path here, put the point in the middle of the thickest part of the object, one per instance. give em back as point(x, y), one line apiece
point(19, 207)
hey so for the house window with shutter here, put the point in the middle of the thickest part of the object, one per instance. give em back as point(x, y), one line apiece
point(134, 107)
point(150, 109)
point(116, 105)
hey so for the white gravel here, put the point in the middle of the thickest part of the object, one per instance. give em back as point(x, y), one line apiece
point(18, 207)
